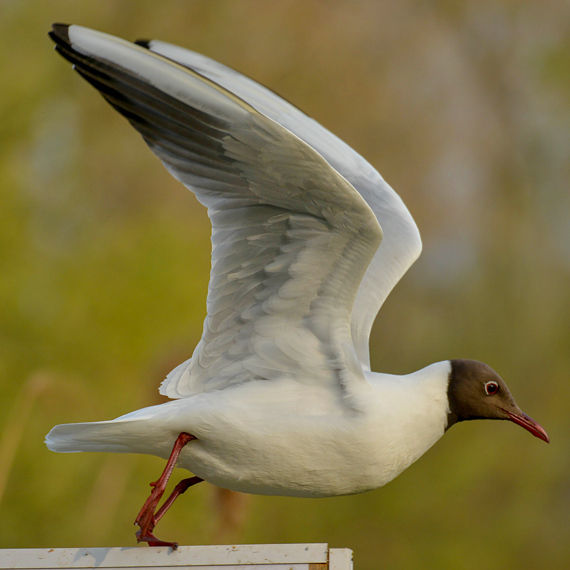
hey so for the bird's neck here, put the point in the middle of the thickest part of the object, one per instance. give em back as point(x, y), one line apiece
point(405, 416)
point(419, 398)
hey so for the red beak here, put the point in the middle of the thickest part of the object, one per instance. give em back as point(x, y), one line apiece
point(529, 424)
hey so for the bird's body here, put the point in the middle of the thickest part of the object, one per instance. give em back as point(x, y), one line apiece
point(285, 438)
point(307, 242)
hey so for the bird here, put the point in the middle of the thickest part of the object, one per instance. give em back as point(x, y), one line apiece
point(308, 240)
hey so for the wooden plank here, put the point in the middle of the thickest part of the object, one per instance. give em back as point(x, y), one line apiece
point(340, 559)
point(144, 557)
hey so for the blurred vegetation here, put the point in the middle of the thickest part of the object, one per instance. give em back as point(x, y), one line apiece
point(463, 106)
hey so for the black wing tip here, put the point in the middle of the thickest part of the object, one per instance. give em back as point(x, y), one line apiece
point(59, 32)
point(143, 43)
point(60, 36)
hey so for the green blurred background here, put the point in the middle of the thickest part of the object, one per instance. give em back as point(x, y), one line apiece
point(464, 107)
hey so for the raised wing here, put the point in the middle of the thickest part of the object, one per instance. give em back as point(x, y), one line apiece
point(401, 245)
point(291, 237)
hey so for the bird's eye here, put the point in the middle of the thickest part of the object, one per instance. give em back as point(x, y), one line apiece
point(491, 388)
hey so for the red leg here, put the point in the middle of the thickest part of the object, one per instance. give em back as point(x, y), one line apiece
point(180, 489)
point(145, 519)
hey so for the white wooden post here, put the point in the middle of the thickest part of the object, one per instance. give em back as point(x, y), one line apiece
point(237, 557)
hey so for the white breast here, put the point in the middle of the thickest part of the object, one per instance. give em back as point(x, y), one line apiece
point(286, 439)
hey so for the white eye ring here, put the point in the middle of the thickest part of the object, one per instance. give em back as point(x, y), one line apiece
point(491, 388)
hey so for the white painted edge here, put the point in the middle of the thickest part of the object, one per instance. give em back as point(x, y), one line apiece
point(340, 559)
point(145, 557)
point(303, 566)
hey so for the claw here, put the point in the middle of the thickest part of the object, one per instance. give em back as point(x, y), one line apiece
point(151, 540)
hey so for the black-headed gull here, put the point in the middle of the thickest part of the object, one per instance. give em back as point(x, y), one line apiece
point(307, 242)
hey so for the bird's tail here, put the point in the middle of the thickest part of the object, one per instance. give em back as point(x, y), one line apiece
point(118, 436)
